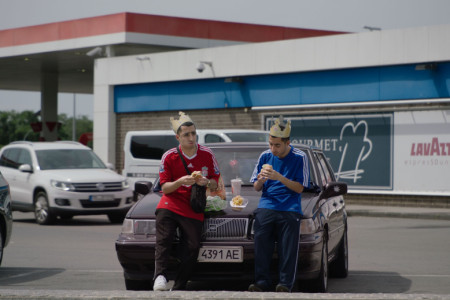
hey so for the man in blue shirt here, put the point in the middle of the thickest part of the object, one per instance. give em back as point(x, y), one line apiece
point(282, 172)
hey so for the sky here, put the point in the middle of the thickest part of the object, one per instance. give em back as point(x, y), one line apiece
point(338, 15)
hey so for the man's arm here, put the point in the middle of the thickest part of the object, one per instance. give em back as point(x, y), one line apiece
point(259, 183)
point(169, 187)
point(274, 175)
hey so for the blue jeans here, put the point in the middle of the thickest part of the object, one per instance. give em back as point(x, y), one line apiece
point(282, 228)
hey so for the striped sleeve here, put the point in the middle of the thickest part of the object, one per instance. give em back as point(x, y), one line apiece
point(305, 160)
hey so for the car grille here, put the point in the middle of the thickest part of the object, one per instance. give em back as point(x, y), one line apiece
point(98, 187)
point(224, 228)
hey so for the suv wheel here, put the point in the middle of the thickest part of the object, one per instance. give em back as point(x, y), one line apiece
point(116, 218)
point(42, 210)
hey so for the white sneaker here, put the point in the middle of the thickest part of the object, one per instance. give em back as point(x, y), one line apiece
point(160, 283)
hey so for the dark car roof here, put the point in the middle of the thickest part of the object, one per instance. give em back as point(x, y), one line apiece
point(251, 145)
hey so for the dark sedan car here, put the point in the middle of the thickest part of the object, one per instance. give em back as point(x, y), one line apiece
point(6, 219)
point(227, 248)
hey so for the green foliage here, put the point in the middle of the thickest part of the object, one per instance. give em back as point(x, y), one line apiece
point(15, 126)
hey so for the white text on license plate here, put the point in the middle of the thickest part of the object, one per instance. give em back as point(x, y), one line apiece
point(101, 197)
point(220, 254)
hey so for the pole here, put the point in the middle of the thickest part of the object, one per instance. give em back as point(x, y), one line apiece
point(74, 122)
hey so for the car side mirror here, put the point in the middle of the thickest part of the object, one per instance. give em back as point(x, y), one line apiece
point(26, 168)
point(143, 187)
point(110, 166)
point(312, 188)
point(333, 189)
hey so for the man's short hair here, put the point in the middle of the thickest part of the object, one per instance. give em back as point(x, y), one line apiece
point(187, 124)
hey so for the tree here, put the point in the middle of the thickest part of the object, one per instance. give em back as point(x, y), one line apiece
point(15, 126)
point(83, 125)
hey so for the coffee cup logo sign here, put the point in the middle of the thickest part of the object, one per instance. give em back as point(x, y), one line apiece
point(356, 148)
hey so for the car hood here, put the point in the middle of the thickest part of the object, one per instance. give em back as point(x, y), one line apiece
point(145, 208)
point(83, 175)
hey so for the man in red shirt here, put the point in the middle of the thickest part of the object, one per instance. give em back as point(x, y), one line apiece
point(174, 210)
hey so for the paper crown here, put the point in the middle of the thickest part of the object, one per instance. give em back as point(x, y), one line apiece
point(177, 123)
point(276, 130)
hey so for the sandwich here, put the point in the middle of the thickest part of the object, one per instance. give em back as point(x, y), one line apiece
point(197, 174)
point(267, 167)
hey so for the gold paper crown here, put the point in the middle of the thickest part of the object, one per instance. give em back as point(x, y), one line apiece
point(276, 131)
point(177, 123)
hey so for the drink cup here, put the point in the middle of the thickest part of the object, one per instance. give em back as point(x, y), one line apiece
point(236, 186)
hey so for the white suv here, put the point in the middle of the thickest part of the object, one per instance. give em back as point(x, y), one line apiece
point(63, 179)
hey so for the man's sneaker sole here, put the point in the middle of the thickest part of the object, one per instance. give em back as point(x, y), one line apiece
point(255, 288)
point(282, 289)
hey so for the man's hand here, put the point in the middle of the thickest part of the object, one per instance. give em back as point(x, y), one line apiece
point(186, 180)
point(269, 174)
point(170, 187)
point(202, 181)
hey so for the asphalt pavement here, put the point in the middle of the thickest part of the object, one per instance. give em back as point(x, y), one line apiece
point(352, 209)
point(398, 212)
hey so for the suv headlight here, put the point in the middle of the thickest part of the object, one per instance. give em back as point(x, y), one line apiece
point(125, 184)
point(61, 185)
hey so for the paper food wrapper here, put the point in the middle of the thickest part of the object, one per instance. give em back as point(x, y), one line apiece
point(220, 190)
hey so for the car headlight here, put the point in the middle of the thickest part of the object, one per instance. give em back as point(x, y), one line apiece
point(145, 227)
point(65, 186)
point(127, 226)
point(125, 184)
point(307, 226)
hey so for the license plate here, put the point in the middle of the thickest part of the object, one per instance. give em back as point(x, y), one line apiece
point(101, 197)
point(220, 254)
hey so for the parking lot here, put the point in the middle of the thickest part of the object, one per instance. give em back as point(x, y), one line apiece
point(390, 258)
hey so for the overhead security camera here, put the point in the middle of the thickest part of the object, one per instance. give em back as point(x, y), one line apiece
point(200, 67)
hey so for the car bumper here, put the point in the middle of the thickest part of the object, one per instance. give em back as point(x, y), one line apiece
point(137, 258)
point(82, 203)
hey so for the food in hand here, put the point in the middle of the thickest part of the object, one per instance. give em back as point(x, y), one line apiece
point(267, 167)
point(197, 174)
point(238, 200)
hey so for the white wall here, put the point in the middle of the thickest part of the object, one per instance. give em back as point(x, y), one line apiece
point(376, 48)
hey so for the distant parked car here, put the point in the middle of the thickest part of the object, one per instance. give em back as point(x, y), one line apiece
point(227, 249)
point(6, 220)
point(63, 179)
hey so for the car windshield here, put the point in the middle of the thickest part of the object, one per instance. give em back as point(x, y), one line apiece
point(68, 159)
point(248, 136)
point(237, 163)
